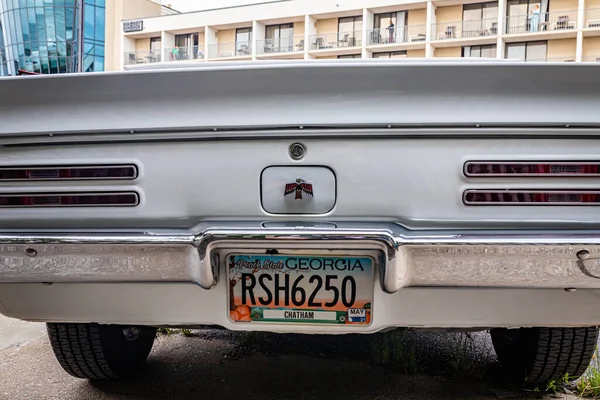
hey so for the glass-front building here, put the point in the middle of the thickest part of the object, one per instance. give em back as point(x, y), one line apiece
point(51, 36)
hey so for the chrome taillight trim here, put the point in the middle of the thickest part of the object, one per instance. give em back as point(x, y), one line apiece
point(132, 199)
point(528, 174)
point(549, 192)
point(50, 169)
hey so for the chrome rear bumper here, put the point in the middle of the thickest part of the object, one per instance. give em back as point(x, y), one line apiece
point(492, 259)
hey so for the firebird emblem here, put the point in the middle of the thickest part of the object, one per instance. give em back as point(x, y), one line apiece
point(299, 187)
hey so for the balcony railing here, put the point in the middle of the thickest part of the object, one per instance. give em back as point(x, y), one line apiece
point(592, 59)
point(142, 57)
point(280, 45)
point(592, 18)
point(235, 49)
point(551, 21)
point(335, 40)
point(465, 29)
point(551, 59)
point(184, 53)
point(402, 34)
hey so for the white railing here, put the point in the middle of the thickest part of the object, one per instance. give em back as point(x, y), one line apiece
point(280, 45)
point(184, 53)
point(335, 40)
point(551, 59)
point(551, 21)
point(142, 57)
point(591, 59)
point(465, 29)
point(234, 49)
point(402, 34)
point(592, 18)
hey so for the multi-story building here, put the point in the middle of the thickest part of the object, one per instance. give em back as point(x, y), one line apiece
point(61, 36)
point(528, 30)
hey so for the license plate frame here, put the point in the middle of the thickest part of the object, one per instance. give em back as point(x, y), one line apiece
point(358, 315)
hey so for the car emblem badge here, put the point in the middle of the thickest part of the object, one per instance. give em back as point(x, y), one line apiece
point(298, 187)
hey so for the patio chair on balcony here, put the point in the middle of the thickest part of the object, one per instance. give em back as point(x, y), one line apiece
point(300, 45)
point(375, 37)
point(562, 22)
point(344, 41)
point(449, 34)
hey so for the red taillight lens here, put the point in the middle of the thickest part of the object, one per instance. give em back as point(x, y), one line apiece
point(523, 169)
point(38, 200)
point(532, 197)
point(65, 173)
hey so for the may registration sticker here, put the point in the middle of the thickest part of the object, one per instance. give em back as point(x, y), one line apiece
point(300, 289)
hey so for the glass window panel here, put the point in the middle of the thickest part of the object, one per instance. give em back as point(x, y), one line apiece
point(472, 12)
point(88, 21)
point(99, 51)
point(490, 10)
point(536, 51)
point(515, 51)
point(346, 24)
point(100, 13)
point(25, 25)
point(99, 64)
point(100, 3)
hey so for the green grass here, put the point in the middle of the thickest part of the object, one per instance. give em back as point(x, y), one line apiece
point(172, 331)
point(589, 383)
point(393, 350)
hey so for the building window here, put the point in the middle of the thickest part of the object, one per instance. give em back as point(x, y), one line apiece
point(280, 38)
point(350, 31)
point(243, 41)
point(350, 56)
point(389, 28)
point(488, 51)
point(480, 19)
point(530, 51)
point(526, 15)
point(390, 54)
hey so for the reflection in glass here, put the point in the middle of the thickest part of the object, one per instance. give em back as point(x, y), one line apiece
point(48, 37)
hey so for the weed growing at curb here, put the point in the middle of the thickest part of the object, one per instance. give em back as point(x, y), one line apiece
point(394, 350)
point(589, 383)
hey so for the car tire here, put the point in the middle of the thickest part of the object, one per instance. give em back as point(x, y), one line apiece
point(536, 356)
point(93, 351)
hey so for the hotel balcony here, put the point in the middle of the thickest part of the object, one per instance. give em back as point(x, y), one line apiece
point(142, 57)
point(391, 38)
point(591, 59)
point(184, 54)
point(230, 50)
point(475, 31)
point(550, 25)
point(335, 43)
point(592, 18)
point(292, 47)
point(552, 59)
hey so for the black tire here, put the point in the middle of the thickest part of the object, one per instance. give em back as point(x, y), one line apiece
point(92, 351)
point(536, 356)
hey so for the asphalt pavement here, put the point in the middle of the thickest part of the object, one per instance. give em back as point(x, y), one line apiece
point(217, 364)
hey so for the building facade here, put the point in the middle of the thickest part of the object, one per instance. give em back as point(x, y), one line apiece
point(63, 36)
point(526, 30)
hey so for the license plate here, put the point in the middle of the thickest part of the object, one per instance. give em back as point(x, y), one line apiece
point(300, 289)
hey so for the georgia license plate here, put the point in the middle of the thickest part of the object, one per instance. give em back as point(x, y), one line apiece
point(300, 289)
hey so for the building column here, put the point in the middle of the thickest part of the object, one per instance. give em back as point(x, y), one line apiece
point(368, 21)
point(310, 30)
point(167, 42)
point(258, 38)
point(210, 40)
point(429, 22)
point(580, 26)
point(501, 28)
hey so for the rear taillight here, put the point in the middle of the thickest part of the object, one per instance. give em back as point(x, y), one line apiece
point(525, 169)
point(89, 199)
point(66, 173)
point(532, 197)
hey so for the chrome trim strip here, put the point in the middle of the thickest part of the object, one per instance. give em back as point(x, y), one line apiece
point(132, 167)
point(412, 258)
point(72, 194)
point(531, 191)
point(527, 175)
